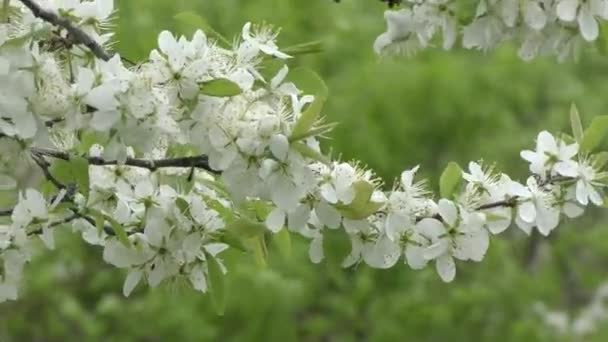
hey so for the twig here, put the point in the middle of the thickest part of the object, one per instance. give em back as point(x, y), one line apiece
point(44, 166)
point(7, 212)
point(78, 35)
point(200, 162)
point(54, 224)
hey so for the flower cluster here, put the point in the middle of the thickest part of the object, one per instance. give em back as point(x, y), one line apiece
point(538, 27)
point(204, 147)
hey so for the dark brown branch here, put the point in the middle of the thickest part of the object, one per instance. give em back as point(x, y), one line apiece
point(199, 162)
point(44, 166)
point(78, 35)
point(54, 224)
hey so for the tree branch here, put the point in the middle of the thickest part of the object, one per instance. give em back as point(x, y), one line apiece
point(78, 35)
point(7, 212)
point(200, 162)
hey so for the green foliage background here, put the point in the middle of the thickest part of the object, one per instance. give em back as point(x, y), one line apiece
point(394, 114)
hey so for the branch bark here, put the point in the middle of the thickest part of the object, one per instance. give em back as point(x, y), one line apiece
point(78, 35)
point(199, 162)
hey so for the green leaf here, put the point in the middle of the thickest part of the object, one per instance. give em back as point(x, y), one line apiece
point(260, 252)
point(308, 152)
point(308, 81)
point(119, 230)
point(575, 122)
point(362, 206)
point(220, 87)
point(190, 21)
point(594, 133)
point(315, 131)
point(233, 240)
point(304, 48)
point(245, 227)
point(282, 240)
point(73, 171)
point(450, 180)
point(216, 284)
point(100, 222)
point(308, 118)
point(600, 159)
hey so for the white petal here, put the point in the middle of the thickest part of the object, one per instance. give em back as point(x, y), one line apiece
point(275, 220)
point(527, 211)
point(279, 77)
point(581, 193)
point(572, 210)
point(546, 220)
point(414, 256)
point(329, 193)
point(478, 244)
point(566, 9)
point(534, 16)
point(446, 268)
point(436, 250)
point(431, 228)
point(328, 215)
point(279, 146)
point(383, 254)
point(315, 250)
point(103, 121)
point(198, 279)
point(297, 219)
point(448, 211)
point(587, 24)
point(523, 225)
point(166, 42)
point(131, 281)
point(566, 168)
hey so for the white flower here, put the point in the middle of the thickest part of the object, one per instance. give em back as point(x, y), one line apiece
point(177, 65)
point(551, 155)
point(400, 33)
point(584, 12)
point(262, 39)
point(337, 184)
point(457, 235)
point(536, 206)
point(586, 185)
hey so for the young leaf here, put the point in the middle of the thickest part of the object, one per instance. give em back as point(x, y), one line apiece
point(119, 230)
point(245, 227)
point(216, 284)
point(260, 252)
point(304, 48)
point(233, 240)
point(307, 119)
point(575, 122)
point(220, 87)
point(308, 81)
point(450, 180)
point(308, 152)
point(73, 171)
point(362, 206)
point(594, 133)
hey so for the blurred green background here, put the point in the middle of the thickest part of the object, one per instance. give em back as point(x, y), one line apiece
point(394, 114)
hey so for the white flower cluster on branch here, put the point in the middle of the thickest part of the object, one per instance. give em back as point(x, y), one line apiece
point(167, 163)
point(538, 27)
